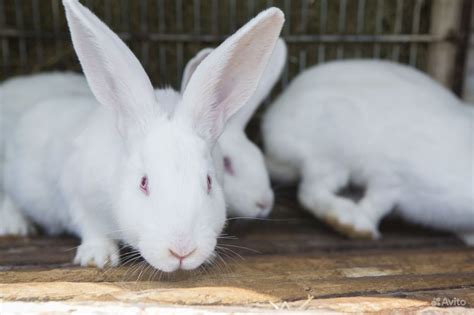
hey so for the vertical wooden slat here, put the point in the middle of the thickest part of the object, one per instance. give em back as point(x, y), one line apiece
point(250, 9)
point(5, 43)
point(108, 12)
point(442, 54)
point(232, 16)
point(287, 10)
point(55, 10)
point(360, 24)
point(197, 16)
point(415, 30)
point(125, 15)
point(37, 28)
point(323, 21)
point(19, 19)
point(304, 23)
point(145, 45)
point(179, 45)
point(163, 69)
point(397, 29)
point(341, 27)
point(304, 15)
point(378, 25)
point(461, 66)
point(215, 17)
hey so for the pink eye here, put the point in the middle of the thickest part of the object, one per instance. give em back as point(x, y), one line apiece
point(228, 165)
point(209, 184)
point(144, 185)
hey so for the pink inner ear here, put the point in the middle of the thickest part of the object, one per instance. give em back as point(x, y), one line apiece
point(144, 185)
point(228, 165)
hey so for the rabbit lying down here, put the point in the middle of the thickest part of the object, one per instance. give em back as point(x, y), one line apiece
point(125, 170)
point(240, 163)
point(386, 127)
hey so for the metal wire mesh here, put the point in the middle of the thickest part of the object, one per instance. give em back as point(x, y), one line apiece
point(164, 34)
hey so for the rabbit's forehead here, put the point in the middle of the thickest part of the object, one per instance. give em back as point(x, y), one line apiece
point(174, 145)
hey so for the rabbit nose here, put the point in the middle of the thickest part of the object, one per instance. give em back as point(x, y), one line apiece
point(181, 256)
point(265, 206)
point(265, 203)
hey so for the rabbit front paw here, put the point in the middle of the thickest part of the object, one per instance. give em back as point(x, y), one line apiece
point(97, 254)
point(352, 222)
point(16, 226)
point(467, 238)
point(13, 222)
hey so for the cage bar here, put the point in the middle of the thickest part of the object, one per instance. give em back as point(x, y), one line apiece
point(215, 17)
point(360, 23)
point(179, 45)
point(312, 30)
point(5, 43)
point(378, 26)
point(397, 29)
point(56, 27)
point(162, 30)
point(20, 26)
point(341, 28)
point(232, 15)
point(37, 28)
point(323, 13)
point(304, 23)
point(442, 53)
point(197, 16)
point(145, 46)
point(415, 30)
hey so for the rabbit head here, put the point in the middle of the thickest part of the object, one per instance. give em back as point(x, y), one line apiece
point(246, 180)
point(168, 204)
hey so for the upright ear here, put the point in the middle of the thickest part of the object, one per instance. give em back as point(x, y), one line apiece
point(192, 65)
point(114, 74)
point(267, 82)
point(225, 80)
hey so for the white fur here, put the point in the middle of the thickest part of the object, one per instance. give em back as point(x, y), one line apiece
point(75, 165)
point(23, 92)
point(247, 192)
point(247, 189)
point(387, 127)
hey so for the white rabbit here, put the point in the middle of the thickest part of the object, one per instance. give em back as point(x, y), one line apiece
point(124, 170)
point(384, 126)
point(246, 181)
point(22, 92)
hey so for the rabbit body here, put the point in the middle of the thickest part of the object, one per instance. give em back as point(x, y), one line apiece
point(61, 143)
point(246, 186)
point(246, 180)
point(117, 166)
point(17, 95)
point(384, 126)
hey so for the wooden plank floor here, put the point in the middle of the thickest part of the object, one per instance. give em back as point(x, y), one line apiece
point(288, 262)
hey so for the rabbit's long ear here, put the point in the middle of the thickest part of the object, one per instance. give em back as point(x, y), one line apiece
point(267, 82)
point(114, 74)
point(225, 80)
point(192, 65)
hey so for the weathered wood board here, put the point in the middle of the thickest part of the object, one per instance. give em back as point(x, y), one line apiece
point(288, 262)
